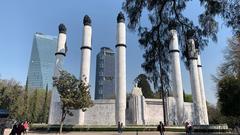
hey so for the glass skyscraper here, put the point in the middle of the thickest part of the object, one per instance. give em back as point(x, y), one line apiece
point(42, 61)
point(105, 74)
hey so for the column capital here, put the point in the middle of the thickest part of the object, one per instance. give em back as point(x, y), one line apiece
point(62, 28)
point(120, 17)
point(87, 20)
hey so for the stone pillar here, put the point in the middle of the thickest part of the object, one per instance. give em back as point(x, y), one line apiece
point(194, 77)
point(203, 97)
point(121, 70)
point(86, 56)
point(176, 75)
point(60, 54)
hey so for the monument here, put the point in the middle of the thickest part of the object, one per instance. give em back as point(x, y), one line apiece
point(137, 110)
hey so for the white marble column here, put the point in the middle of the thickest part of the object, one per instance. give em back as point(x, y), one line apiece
point(60, 54)
point(120, 70)
point(86, 57)
point(194, 77)
point(176, 75)
point(203, 97)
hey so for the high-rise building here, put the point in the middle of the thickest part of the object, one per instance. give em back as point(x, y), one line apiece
point(42, 61)
point(105, 74)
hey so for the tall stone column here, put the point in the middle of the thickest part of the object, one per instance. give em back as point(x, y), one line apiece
point(86, 56)
point(121, 70)
point(194, 77)
point(176, 75)
point(60, 54)
point(203, 97)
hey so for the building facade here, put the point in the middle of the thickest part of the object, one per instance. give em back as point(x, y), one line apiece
point(42, 61)
point(105, 74)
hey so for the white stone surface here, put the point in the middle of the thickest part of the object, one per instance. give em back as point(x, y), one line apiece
point(85, 61)
point(102, 113)
point(153, 111)
point(140, 111)
point(176, 76)
point(203, 97)
point(121, 33)
point(195, 85)
point(121, 73)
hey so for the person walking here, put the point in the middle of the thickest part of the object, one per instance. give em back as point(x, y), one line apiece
point(119, 127)
point(188, 128)
point(161, 128)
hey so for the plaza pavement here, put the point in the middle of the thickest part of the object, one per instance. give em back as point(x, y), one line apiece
point(7, 131)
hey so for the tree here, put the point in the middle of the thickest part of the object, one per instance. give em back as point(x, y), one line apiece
point(142, 82)
point(26, 101)
point(166, 14)
point(231, 64)
point(187, 97)
point(228, 96)
point(44, 108)
point(74, 94)
point(11, 98)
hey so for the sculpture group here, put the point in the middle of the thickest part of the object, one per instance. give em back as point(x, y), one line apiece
point(199, 109)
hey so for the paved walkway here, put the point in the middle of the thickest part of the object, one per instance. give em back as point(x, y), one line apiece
point(7, 131)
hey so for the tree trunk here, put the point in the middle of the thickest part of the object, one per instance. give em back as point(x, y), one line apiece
point(64, 113)
point(61, 126)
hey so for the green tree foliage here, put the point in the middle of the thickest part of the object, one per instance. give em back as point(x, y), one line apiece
point(231, 65)
point(11, 98)
point(74, 94)
point(231, 14)
point(228, 83)
point(187, 97)
point(228, 96)
point(214, 115)
point(228, 79)
point(23, 104)
point(142, 82)
point(36, 105)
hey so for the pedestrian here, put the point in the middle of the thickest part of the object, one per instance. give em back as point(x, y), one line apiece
point(20, 128)
point(161, 128)
point(119, 127)
point(188, 128)
point(14, 130)
point(26, 127)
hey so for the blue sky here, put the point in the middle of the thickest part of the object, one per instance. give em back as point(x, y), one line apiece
point(21, 19)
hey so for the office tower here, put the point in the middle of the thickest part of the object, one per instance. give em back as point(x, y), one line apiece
point(42, 61)
point(105, 72)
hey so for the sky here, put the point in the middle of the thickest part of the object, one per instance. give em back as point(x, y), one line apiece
point(20, 20)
